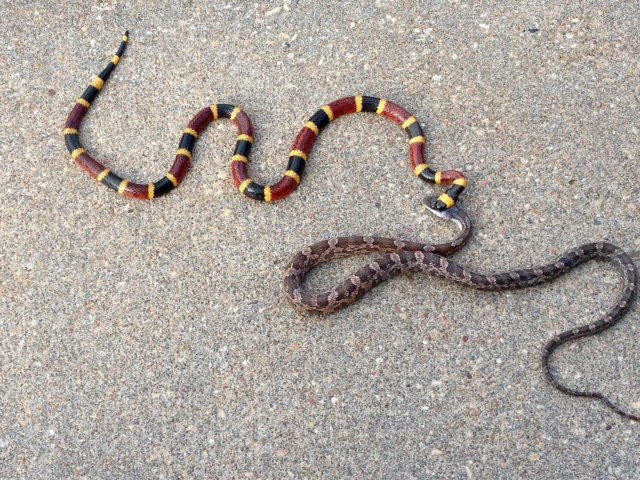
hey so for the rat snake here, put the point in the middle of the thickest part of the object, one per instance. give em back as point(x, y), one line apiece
point(412, 257)
point(399, 256)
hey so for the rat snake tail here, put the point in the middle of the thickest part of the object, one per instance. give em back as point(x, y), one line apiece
point(612, 253)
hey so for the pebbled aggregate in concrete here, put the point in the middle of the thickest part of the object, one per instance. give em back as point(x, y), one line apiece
point(152, 340)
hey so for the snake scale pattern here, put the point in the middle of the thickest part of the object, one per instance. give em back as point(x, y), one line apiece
point(398, 256)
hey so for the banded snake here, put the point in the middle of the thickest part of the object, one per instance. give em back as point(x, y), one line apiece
point(398, 256)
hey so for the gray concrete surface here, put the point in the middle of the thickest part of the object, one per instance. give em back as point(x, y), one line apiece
point(147, 340)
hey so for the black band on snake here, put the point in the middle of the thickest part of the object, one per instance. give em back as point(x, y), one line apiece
point(399, 256)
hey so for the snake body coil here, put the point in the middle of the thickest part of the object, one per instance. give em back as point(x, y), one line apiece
point(399, 256)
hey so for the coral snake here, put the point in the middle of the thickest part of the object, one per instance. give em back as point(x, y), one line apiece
point(397, 255)
point(239, 161)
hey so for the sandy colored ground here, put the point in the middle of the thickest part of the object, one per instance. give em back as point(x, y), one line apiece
point(152, 339)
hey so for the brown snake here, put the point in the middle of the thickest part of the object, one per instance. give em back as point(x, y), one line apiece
point(411, 257)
